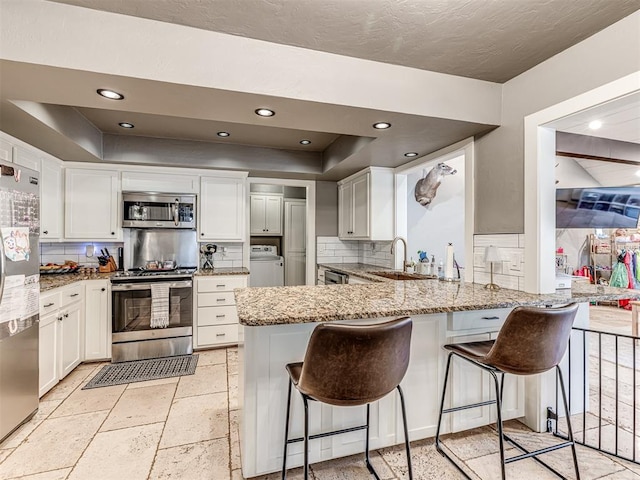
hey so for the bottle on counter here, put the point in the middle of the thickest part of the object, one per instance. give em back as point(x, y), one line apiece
point(440, 269)
point(432, 265)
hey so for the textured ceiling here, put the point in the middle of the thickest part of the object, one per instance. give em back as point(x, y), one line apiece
point(176, 122)
point(490, 40)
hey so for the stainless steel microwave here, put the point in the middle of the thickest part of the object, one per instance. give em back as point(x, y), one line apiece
point(158, 210)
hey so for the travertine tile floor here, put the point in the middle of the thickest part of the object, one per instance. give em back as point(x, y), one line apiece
point(187, 428)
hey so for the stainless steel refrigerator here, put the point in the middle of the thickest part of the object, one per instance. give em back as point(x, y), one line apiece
point(19, 295)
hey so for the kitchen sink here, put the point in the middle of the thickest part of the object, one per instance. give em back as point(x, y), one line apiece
point(401, 275)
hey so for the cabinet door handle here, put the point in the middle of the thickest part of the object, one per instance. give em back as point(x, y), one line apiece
point(103, 289)
point(46, 232)
point(60, 318)
point(66, 315)
point(74, 295)
point(220, 299)
point(220, 334)
point(220, 316)
point(49, 305)
point(495, 317)
point(202, 234)
point(113, 233)
point(221, 286)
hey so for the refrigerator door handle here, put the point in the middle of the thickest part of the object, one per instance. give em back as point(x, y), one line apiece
point(2, 267)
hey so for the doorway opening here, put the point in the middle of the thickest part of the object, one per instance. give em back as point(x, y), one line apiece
point(281, 232)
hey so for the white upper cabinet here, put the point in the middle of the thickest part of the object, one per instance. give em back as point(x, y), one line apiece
point(366, 205)
point(91, 204)
point(222, 209)
point(6, 151)
point(159, 182)
point(266, 214)
point(51, 202)
point(26, 158)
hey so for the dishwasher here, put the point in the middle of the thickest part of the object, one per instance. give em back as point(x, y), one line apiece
point(335, 278)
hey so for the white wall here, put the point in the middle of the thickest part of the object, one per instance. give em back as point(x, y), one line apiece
point(432, 228)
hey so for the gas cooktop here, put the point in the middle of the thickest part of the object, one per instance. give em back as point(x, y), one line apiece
point(140, 274)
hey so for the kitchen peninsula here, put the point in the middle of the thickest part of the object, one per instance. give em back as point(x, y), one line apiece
point(278, 323)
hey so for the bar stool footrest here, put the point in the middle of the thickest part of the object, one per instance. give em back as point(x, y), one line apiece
point(533, 454)
point(329, 434)
point(467, 407)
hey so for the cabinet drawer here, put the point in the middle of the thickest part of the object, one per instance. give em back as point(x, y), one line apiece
point(221, 284)
point(216, 299)
point(72, 294)
point(212, 335)
point(477, 319)
point(50, 302)
point(217, 315)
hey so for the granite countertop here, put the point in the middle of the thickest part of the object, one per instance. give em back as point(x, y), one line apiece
point(223, 271)
point(51, 281)
point(322, 303)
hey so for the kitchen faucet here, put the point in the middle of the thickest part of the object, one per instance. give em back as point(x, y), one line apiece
point(405, 264)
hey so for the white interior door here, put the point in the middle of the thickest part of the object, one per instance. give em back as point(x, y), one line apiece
point(295, 234)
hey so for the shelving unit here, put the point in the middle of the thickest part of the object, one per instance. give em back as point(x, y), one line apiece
point(603, 255)
point(602, 258)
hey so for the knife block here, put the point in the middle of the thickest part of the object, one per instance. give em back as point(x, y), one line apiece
point(109, 267)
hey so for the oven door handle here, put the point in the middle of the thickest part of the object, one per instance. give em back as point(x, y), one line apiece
point(120, 287)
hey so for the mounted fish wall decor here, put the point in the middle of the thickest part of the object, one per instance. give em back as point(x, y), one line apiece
point(427, 186)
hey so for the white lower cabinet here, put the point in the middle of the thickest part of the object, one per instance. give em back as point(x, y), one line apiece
point(61, 345)
point(215, 320)
point(97, 339)
point(48, 347)
point(70, 338)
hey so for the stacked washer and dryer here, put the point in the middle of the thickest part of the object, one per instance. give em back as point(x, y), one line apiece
point(266, 266)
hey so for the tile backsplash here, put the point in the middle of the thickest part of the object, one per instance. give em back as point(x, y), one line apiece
point(509, 273)
point(60, 252)
point(334, 250)
point(228, 255)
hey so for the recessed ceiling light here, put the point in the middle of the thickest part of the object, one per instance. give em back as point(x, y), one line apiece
point(638, 173)
point(381, 125)
point(595, 125)
point(305, 142)
point(126, 125)
point(110, 94)
point(265, 112)
point(223, 134)
point(411, 154)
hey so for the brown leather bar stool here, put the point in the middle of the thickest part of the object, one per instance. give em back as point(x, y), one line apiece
point(531, 341)
point(350, 365)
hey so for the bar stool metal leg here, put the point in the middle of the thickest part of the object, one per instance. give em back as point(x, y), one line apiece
point(367, 461)
point(406, 432)
point(499, 386)
point(569, 429)
point(286, 434)
point(306, 437)
point(437, 440)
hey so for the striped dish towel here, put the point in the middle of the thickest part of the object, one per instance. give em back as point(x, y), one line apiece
point(159, 305)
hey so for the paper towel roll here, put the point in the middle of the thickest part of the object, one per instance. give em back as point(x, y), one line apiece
point(448, 266)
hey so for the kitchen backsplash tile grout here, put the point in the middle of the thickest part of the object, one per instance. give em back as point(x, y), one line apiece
point(334, 250)
point(510, 272)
